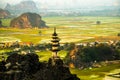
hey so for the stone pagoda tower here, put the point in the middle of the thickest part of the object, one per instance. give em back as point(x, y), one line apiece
point(55, 44)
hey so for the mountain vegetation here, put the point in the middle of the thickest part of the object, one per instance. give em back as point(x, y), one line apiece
point(84, 56)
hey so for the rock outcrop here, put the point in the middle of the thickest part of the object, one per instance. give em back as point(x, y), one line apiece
point(28, 67)
point(28, 20)
point(4, 13)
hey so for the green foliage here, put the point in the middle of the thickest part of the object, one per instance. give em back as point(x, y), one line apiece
point(100, 52)
point(98, 22)
point(118, 34)
point(6, 22)
point(69, 46)
point(45, 55)
point(62, 54)
point(0, 23)
point(85, 56)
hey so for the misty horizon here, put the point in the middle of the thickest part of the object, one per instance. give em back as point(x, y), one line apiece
point(66, 4)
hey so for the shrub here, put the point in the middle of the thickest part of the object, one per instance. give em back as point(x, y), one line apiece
point(98, 22)
point(118, 34)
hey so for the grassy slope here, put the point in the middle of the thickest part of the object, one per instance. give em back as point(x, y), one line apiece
point(95, 73)
point(45, 55)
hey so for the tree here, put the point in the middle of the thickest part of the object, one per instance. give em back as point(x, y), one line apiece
point(0, 23)
point(40, 32)
point(30, 63)
point(69, 47)
point(98, 22)
point(118, 34)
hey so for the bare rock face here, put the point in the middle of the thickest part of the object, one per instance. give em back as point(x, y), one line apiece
point(4, 13)
point(28, 20)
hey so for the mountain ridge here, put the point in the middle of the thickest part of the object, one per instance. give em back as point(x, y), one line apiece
point(22, 7)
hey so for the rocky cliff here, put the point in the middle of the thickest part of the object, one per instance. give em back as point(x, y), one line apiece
point(28, 20)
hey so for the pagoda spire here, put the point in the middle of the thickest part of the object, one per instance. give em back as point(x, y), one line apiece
point(54, 29)
point(54, 34)
point(55, 44)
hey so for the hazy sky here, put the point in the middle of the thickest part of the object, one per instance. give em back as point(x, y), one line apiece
point(67, 3)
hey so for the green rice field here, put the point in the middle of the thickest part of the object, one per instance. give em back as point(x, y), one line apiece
point(69, 29)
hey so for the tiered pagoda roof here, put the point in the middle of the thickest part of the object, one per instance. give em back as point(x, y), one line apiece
point(55, 42)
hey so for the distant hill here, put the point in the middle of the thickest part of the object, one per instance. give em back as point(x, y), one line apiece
point(22, 7)
point(4, 13)
point(28, 20)
point(46, 9)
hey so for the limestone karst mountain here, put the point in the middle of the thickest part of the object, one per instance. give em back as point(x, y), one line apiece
point(28, 20)
point(4, 13)
point(22, 7)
